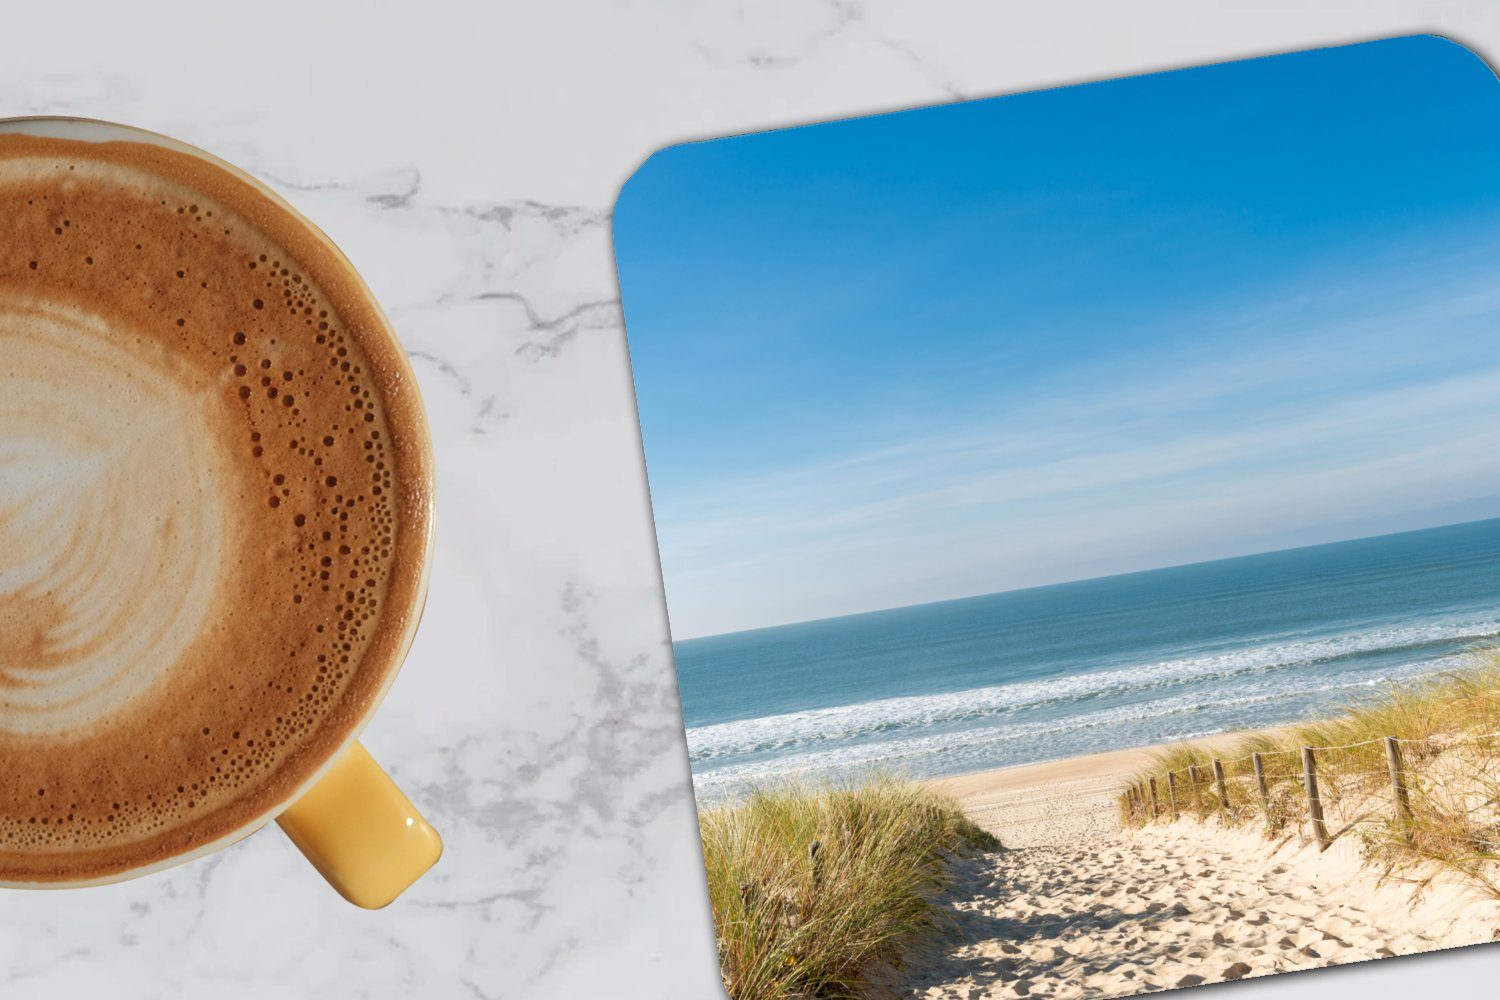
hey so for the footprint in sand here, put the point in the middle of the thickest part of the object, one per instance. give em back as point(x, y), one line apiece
point(1109, 923)
point(1337, 926)
point(1307, 936)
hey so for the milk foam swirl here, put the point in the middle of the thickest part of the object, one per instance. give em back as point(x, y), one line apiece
point(214, 505)
point(97, 437)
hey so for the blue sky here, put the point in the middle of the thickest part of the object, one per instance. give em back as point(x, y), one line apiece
point(1061, 335)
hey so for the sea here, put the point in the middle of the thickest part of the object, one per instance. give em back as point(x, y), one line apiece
point(1052, 672)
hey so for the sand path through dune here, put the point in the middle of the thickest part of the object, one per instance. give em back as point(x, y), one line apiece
point(1076, 907)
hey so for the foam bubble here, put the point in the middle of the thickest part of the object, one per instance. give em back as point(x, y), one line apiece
point(189, 574)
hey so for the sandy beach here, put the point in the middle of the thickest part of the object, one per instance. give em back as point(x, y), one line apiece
point(1058, 802)
point(1076, 906)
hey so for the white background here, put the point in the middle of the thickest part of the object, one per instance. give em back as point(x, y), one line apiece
point(466, 157)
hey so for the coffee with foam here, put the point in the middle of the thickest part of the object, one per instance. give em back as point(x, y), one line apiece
point(214, 509)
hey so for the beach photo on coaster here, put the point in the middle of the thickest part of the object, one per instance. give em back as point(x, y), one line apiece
point(1079, 515)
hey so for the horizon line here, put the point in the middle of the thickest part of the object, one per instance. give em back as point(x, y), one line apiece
point(1083, 579)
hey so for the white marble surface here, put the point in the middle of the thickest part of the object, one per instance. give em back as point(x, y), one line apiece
point(466, 157)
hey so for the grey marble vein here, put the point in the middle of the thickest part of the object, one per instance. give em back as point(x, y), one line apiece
point(466, 157)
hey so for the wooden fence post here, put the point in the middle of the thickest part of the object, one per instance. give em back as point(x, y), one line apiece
point(1314, 803)
point(1172, 793)
point(1398, 782)
point(1260, 782)
point(1155, 802)
point(1223, 789)
point(1193, 786)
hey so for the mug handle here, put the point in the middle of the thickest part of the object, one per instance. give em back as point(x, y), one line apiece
point(360, 832)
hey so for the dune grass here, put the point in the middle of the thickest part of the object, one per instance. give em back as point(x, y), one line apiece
point(811, 885)
point(1450, 759)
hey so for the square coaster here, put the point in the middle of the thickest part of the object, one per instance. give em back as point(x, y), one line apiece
point(1079, 514)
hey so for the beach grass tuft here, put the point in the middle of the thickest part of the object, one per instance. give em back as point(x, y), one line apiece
point(811, 885)
point(1448, 733)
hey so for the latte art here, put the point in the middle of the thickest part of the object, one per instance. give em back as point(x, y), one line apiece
point(111, 522)
point(213, 513)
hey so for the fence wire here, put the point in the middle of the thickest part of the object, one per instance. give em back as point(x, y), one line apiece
point(1407, 800)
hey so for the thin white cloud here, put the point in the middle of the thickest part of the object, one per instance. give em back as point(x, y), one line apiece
point(1119, 464)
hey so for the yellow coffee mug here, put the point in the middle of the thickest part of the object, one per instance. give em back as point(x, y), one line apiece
point(349, 819)
point(360, 832)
